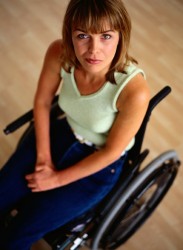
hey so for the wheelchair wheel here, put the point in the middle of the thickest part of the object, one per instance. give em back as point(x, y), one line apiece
point(138, 201)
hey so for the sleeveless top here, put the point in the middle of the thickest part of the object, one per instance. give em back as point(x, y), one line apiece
point(92, 116)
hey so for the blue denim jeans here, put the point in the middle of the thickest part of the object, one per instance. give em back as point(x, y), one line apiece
point(40, 213)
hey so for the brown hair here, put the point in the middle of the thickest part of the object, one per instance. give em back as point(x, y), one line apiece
point(90, 15)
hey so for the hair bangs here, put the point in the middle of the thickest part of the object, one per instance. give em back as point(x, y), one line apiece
point(94, 18)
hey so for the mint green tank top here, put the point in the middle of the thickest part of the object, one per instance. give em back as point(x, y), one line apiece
point(92, 116)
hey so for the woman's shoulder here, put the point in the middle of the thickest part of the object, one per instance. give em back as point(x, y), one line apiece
point(56, 44)
point(53, 55)
point(55, 48)
point(135, 92)
point(129, 71)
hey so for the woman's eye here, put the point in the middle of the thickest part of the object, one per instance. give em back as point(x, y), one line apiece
point(106, 36)
point(82, 36)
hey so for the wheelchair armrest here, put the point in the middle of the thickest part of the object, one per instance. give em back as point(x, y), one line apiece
point(28, 116)
point(19, 122)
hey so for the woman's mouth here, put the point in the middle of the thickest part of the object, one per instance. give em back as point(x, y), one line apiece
point(93, 61)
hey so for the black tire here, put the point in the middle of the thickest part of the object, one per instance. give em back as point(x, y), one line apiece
point(138, 201)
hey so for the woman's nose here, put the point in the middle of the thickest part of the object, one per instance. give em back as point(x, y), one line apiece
point(94, 45)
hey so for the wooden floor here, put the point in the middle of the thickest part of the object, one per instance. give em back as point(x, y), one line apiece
point(27, 28)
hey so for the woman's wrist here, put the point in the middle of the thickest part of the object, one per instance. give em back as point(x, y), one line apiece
point(44, 158)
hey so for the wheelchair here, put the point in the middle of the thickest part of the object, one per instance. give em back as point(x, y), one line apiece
point(135, 196)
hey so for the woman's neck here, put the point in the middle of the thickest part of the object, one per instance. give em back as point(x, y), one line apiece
point(88, 83)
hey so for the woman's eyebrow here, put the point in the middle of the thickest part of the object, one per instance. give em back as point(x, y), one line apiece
point(84, 31)
point(102, 32)
point(106, 31)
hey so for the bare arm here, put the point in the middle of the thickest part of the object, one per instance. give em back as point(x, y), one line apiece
point(47, 86)
point(48, 83)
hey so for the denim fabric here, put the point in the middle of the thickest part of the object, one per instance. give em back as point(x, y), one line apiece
point(39, 213)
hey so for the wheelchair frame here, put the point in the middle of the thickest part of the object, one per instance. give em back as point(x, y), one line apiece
point(133, 199)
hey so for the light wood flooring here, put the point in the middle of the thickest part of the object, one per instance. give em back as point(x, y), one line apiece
point(26, 30)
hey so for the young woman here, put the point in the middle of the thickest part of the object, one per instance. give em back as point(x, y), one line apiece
point(71, 164)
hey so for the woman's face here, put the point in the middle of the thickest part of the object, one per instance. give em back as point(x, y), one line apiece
point(95, 52)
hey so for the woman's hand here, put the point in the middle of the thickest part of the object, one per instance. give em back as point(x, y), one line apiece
point(44, 178)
